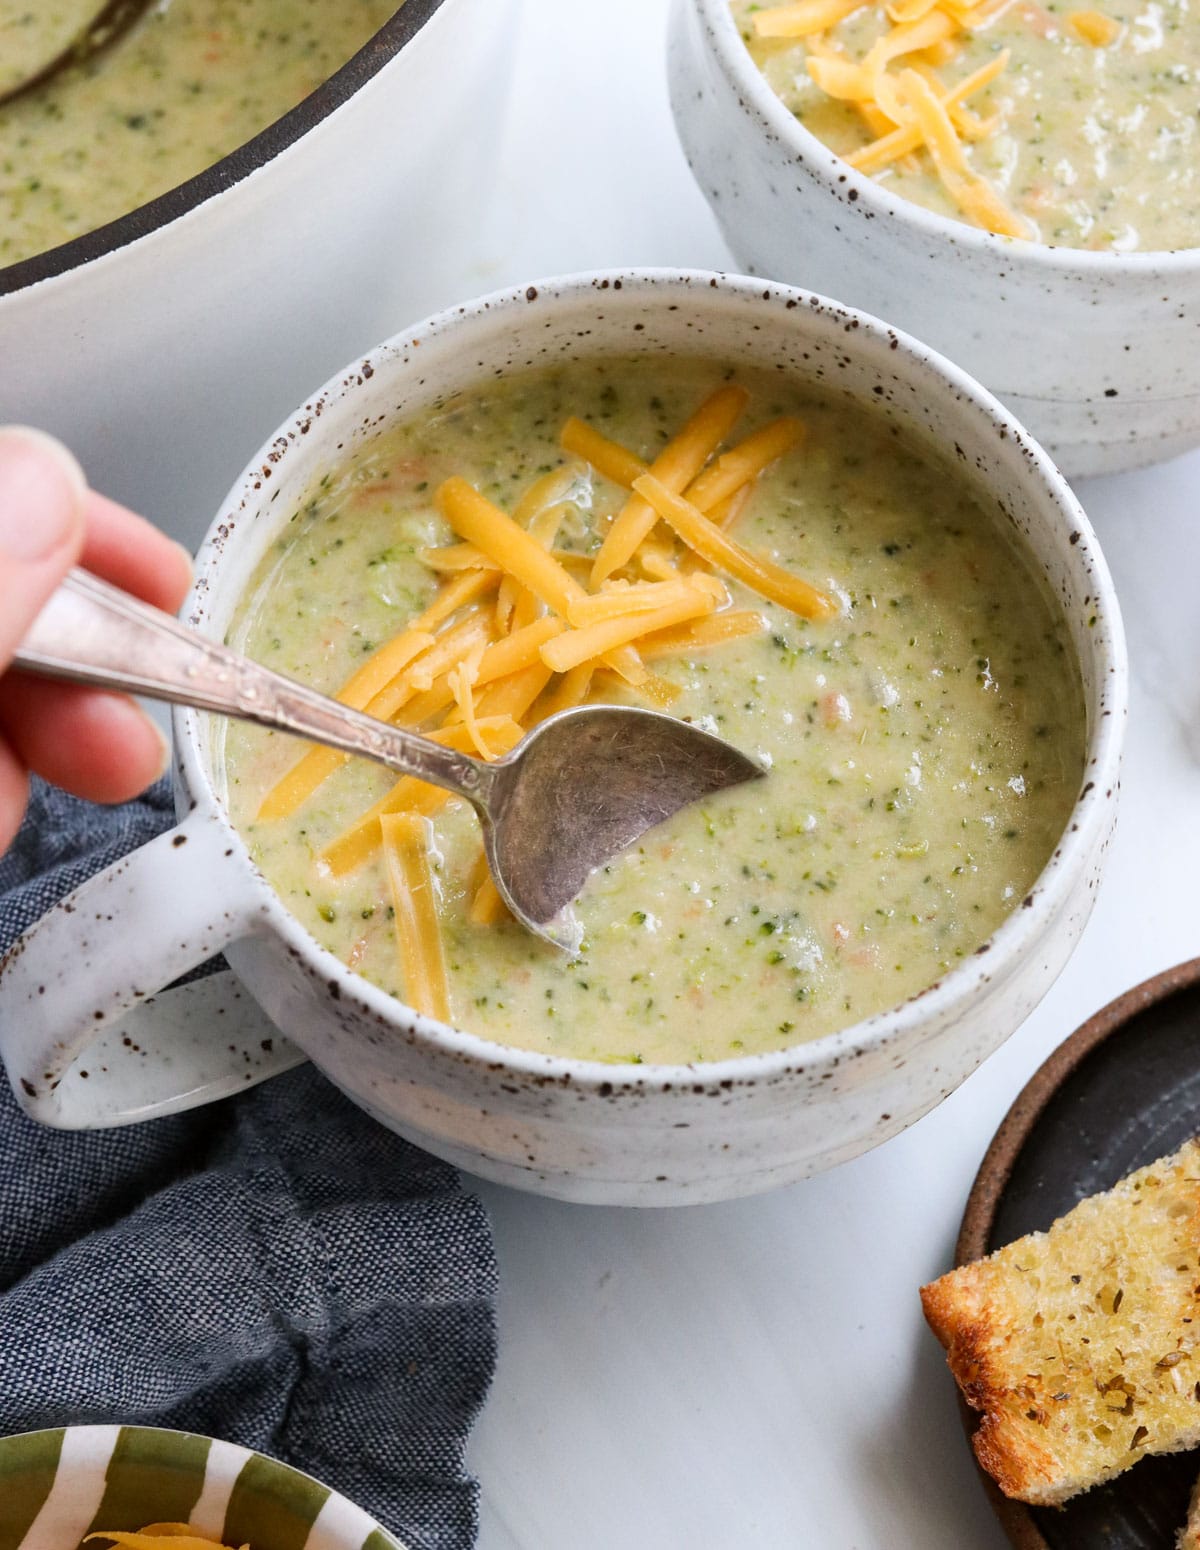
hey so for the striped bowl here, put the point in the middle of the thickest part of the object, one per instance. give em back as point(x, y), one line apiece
point(57, 1486)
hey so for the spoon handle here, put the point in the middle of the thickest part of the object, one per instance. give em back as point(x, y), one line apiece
point(93, 633)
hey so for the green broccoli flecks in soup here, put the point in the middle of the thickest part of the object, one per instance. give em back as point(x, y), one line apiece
point(925, 746)
point(192, 81)
point(1088, 135)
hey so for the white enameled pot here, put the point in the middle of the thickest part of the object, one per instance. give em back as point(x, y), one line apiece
point(1095, 352)
point(161, 346)
point(576, 1129)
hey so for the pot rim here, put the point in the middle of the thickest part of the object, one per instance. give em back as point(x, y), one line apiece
point(994, 959)
point(768, 113)
point(388, 41)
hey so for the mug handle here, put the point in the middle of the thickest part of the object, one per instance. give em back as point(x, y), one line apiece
point(87, 1039)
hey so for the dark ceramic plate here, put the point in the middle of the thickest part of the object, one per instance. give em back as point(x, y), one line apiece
point(1122, 1091)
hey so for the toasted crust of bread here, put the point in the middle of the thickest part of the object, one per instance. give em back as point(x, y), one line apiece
point(1081, 1345)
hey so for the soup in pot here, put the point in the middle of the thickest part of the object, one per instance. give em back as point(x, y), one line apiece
point(188, 84)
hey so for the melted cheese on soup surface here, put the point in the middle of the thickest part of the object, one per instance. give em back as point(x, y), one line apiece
point(924, 746)
point(1096, 139)
point(192, 81)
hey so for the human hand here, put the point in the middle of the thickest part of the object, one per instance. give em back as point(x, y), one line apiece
point(97, 744)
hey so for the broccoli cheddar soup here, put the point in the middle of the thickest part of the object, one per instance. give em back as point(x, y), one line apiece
point(1070, 122)
point(190, 82)
point(783, 572)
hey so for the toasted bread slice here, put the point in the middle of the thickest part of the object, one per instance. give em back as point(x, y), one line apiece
point(1081, 1345)
point(1189, 1535)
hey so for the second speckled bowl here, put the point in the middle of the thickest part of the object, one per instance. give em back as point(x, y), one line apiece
point(1094, 352)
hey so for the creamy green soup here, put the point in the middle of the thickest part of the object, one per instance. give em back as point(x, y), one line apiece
point(924, 748)
point(192, 81)
point(1096, 144)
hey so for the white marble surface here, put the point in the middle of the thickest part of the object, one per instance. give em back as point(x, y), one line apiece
point(758, 1374)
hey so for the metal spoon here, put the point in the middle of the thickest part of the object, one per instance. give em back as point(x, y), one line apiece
point(68, 33)
point(573, 793)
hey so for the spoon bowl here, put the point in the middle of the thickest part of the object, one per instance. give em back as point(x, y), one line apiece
point(574, 792)
point(584, 785)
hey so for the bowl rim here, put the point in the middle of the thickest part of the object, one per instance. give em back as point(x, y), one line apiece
point(99, 1434)
point(405, 22)
point(1081, 835)
point(760, 103)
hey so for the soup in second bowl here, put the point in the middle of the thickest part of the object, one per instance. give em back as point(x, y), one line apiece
point(1067, 123)
point(834, 602)
point(190, 82)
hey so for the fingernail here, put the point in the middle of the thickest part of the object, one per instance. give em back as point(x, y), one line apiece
point(41, 493)
point(189, 558)
point(164, 762)
point(137, 718)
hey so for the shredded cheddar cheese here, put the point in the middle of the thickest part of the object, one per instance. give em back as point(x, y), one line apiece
point(675, 466)
point(462, 682)
point(803, 18)
point(571, 690)
point(487, 907)
point(905, 122)
point(1095, 28)
point(972, 194)
point(605, 456)
point(407, 842)
point(160, 1536)
point(899, 142)
point(908, 38)
point(711, 544)
point(909, 10)
point(734, 470)
point(727, 513)
point(617, 601)
point(715, 630)
point(593, 641)
point(360, 841)
point(513, 695)
point(475, 518)
point(518, 631)
point(319, 763)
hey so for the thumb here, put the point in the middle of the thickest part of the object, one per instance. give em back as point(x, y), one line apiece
point(42, 491)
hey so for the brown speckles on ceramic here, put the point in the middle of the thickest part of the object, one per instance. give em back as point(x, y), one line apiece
point(646, 1134)
point(78, 978)
point(1095, 352)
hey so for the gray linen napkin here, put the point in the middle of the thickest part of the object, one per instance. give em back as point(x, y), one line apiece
point(277, 1269)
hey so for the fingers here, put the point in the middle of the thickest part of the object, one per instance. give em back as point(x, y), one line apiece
point(41, 535)
point(41, 527)
point(132, 554)
point(14, 793)
point(96, 744)
point(101, 746)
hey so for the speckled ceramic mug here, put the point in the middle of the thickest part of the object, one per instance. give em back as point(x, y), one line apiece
point(581, 1130)
point(1094, 352)
point(56, 1486)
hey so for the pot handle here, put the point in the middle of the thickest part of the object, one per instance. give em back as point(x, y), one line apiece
point(87, 1040)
